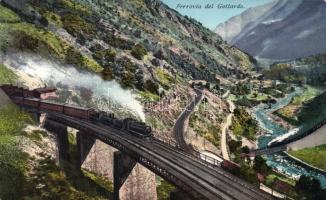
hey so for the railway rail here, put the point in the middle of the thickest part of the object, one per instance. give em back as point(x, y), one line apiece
point(189, 173)
point(203, 181)
point(179, 128)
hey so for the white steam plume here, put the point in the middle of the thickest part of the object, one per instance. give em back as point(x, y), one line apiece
point(54, 74)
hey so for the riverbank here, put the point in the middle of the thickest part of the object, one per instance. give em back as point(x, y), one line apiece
point(271, 129)
point(289, 113)
point(313, 157)
point(282, 162)
point(280, 121)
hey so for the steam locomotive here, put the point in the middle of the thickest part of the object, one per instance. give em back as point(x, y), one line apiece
point(136, 128)
point(132, 126)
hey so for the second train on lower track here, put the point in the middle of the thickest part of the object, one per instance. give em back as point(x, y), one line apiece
point(132, 126)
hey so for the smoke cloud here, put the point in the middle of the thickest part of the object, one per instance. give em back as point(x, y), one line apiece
point(54, 74)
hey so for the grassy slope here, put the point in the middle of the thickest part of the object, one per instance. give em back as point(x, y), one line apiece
point(164, 78)
point(13, 162)
point(316, 108)
point(24, 36)
point(47, 180)
point(6, 75)
point(12, 120)
point(8, 16)
point(203, 126)
point(289, 112)
point(243, 124)
point(315, 156)
point(272, 177)
point(164, 189)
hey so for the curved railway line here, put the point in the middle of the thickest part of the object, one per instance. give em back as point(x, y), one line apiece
point(186, 171)
point(207, 182)
point(179, 128)
point(216, 172)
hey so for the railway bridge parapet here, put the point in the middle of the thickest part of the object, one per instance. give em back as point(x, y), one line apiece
point(137, 150)
point(127, 174)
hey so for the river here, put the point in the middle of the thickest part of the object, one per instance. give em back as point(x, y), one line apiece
point(281, 162)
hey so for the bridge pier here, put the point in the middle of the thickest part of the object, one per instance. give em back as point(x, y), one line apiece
point(61, 134)
point(141, 182)
point(122, 167)
point(84, 146)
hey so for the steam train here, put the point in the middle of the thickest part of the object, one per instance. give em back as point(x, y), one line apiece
point(136, 128)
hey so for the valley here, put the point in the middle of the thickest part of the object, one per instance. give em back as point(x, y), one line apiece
point(208, 100)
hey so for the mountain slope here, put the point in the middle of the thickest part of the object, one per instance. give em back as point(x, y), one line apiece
point(310, 70)
point(233, 27)
point(280, 30)
point(127, 42)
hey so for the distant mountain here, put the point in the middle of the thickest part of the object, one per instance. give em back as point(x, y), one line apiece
point(233, 27)
point(281, 29)
point(310, 70)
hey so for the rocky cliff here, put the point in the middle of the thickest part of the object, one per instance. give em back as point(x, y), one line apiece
point(141, 183)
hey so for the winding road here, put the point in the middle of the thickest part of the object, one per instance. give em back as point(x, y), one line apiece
point(181, 124)
point(179, 128)
point(225, 127)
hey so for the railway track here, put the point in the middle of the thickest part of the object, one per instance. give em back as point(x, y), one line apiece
point(179, 128)
point(224, 193)
point(180, 167)
point(217, 172)
point(185, 177)
point(197, 166)
point(180, 151)
point(188, 169)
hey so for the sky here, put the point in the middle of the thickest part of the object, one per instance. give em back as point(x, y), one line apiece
point(212, 17)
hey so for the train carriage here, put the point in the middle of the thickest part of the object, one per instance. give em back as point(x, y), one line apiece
point(27, 102)
point(47, 105)
point(12, 91)
point(83, 113)
point(28, 93)
point(26, 99)
point(31, 102)
point(18, 100)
